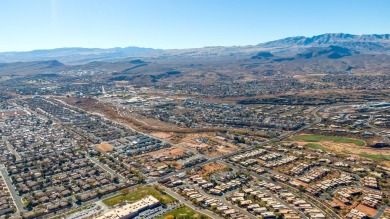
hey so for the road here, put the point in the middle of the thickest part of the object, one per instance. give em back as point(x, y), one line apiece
point(377, 130)
point(14, 195)
point(109, 170)
point(190, 204)
point(223, 200)
point(380, 212)
point(12, 150)
point(220, 159)
point(178, 197)
point(268, 192)
point(317, 120)
point(330, 213)
point(312, 200)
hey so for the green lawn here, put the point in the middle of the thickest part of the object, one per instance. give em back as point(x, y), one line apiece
point(317, 146)
point(138, 193)
point(377, 157)
point(184, 212)
point(318, 138)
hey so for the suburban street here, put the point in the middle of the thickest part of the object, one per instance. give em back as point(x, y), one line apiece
point(190, 204)
point(109, 170)
point(11, 189)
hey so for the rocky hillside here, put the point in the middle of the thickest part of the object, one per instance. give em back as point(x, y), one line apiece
point(372, 43)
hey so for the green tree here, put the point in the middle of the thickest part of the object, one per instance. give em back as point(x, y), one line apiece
point(170, 217)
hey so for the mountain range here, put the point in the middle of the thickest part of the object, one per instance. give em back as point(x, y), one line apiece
point(74, 55)
point(329, 39)
point(343, 54)
point(367, 44)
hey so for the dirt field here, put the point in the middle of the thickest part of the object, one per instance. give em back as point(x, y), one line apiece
point(169, 152)
point(147, 125)
point(105, 147)
point(286, 167)
point(174, 164)
point(162, 135)
point(211, 168)
point(213, 148)
point(367, 210)
point(342, 205)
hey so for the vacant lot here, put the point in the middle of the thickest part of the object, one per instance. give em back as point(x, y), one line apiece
point(134, 195)
point(367, 210)
point(161, 134)
point(183, 212)
point(169, 152)
point(336, 139)
point(212, 148)
point(212, 168)
point(104, 147)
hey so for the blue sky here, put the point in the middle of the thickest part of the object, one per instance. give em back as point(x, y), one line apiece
point(168, 24)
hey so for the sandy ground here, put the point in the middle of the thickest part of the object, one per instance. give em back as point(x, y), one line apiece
point(367, 210)
point(300, 182)
point(162, 135)
point(211, 168)
point(175, 164)
point(169, 152)
point(105, 147)
point(342, 205)
point(213, 148)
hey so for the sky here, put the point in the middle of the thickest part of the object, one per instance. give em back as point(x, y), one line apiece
point(174, 24)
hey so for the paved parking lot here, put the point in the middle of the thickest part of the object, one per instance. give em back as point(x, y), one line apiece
point(92, 210)
point(155, 212)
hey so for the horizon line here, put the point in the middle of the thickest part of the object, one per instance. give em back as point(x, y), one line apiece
point(141, 47)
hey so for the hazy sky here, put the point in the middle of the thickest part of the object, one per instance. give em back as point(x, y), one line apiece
point(44, 24)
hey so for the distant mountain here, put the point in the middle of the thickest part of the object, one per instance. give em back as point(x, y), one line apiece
point(33, 67)
point(279, 50)
point(332, 52)
point(262, 55)
point(74, 55)
point(369, 43)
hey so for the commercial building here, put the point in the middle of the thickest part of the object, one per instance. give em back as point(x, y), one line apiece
point(132, 210)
